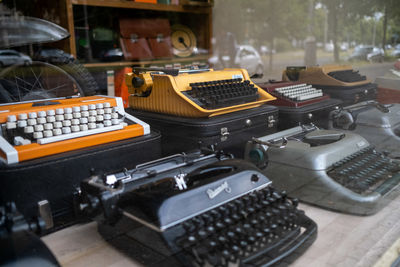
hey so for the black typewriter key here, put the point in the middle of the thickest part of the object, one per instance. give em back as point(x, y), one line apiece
point(207, 218)
point(219, 225)
point(210, 230)
point(235, 217)
point(228, 221)
point(202, 234)
point(188, 226)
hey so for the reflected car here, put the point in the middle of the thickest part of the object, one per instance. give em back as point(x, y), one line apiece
point(11, 57)
point(396, 51)
point(53, 56)
point(377, 55)
point(361, 52)
point(246, 57)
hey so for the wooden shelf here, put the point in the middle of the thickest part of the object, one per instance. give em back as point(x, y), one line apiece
point(144, 6)
point(142, 63)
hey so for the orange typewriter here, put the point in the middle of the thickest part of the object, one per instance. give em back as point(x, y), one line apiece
point(40, 128)
point(193, 93)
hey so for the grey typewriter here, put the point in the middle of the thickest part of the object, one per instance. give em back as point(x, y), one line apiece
point(328, 168)
point(202, 209)
point(378, 123)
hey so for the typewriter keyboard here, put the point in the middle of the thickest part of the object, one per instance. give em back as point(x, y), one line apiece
point(348, 76)
point(250, 228)
point(365, 171)
point(222, 93)
point(299, 92)
point(57, 126)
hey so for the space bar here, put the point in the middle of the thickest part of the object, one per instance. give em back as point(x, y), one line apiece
point(62, 137)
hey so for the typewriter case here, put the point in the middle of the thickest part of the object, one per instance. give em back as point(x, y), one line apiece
point(228, 132)
point(57, 178)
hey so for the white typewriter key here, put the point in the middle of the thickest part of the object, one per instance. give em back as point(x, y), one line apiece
point(66, 123)
point(51, 118)
point(38, 128)
point(115, 121)
point(59, 117)
point(92, 112)
point(25, 142)
point(83, 120)
point(77, 115)
point(11, 125)
point(51, 112)
point(22, 116)
point(28, 129)
point(68, 116)
point(124, 124)
point(32, 115)
point(107, 123)
point(114, 109)
point(99, 105)
point(59, 111)
point(76, 109)
point(41, 114)
point(75, 121)
point(100, 125)
point(83, 127)
point(48, 126)
point(41, 120)
point(66, 130)
point(100, 111)
point(99, 118)
point(22, 124)
point(47, 133)
point(18, 140)
point(92, 125)
point(75, 128)
point(92, 119)
point(84, 108)
point(57, 124)
point(57, 132)
point(12, 118)
point(107, 110)
point(67, 110)
point(85, 113)
point(37, 135)
point(107, 104)
point(107, 116)
point(114, 115)
point(32, 122)
point(92, 107)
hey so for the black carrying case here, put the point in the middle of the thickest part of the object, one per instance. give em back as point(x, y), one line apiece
point(316, 113)
point(229, 132)
point(351, 94)
point(56, 178)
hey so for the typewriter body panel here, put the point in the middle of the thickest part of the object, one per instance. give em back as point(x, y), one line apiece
point(37, 129)
point(300, 103)
point(379, 124)
point(201, 93)
point(339, 81)
point(332, 169)
point(194, 206)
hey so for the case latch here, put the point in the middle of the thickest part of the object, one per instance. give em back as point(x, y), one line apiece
point(224, 134)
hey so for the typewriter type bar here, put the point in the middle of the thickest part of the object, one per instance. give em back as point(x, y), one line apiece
point(36, 129)
point(194, 94)
point(208, 209)
point(293, 94)
point(328, 168)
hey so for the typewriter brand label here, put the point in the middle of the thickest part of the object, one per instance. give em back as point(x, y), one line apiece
point(237, 76)
point(213, 193)
point(361, 144)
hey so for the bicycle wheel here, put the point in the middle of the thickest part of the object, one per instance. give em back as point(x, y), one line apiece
point(39, 80)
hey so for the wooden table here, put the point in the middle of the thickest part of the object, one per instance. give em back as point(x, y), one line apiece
point(343, 240)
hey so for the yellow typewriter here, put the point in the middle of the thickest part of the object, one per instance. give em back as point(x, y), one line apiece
point(36, 129)
point(338, 81)
point(193, 93)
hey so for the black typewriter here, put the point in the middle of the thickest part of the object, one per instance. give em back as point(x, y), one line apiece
point(203, 209)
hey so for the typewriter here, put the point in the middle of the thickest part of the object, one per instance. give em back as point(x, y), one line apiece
point(41, 128)
point(300, 103)
point(202, 209)
point(378, 123)
point(193, 93)
point(339, 81)
point(327, 168)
